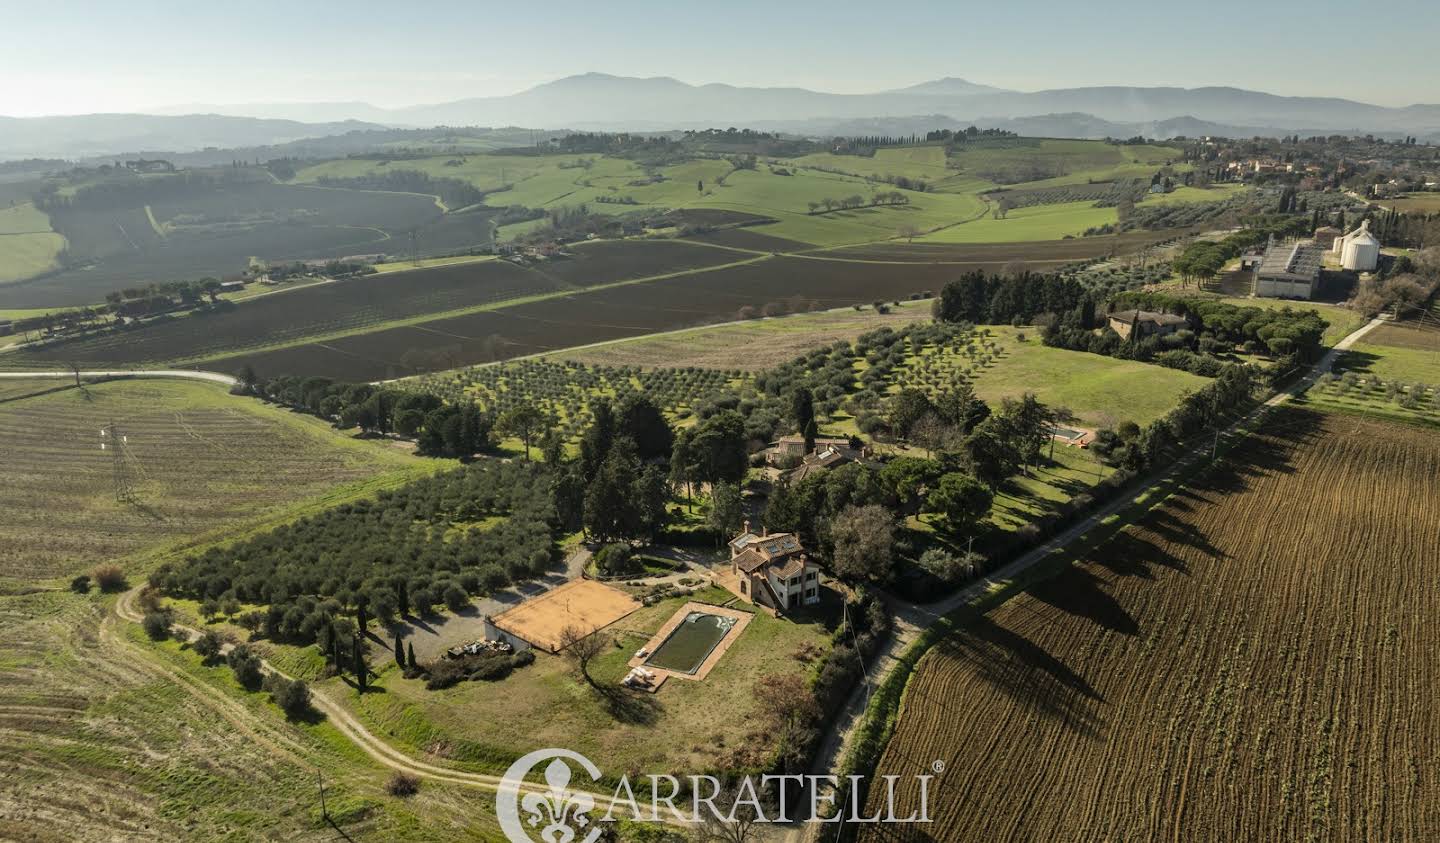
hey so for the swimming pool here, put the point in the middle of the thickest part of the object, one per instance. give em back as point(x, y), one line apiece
point(691, 642)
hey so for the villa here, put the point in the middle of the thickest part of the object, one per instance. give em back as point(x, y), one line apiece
point(772, 571)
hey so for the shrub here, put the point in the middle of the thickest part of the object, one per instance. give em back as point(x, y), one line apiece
point(157, 625)
point(81, 584)
point(109, 578)
point(403, 785)
point(246, 665)
point(615, 560)
point(208, 646)
point(292, 695)
point(456, 600)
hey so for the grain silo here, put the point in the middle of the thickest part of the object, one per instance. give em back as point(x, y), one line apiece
point(1361, 251)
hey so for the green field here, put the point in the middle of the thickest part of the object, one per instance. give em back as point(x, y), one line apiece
point(1100, 390)
point(1039, 222)
point(28, 246)
point(1392, 352)
point(553, 181)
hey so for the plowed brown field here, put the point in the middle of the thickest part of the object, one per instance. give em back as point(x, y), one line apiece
point(1256, 660)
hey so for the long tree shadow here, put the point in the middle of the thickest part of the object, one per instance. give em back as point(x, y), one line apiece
point(1080, 593)
point(635, 708)
point(1025, 672)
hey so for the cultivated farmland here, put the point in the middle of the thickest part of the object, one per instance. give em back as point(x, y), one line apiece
point(199, 459)
point(289, 316)
point(1250, 661)
point(218, 232)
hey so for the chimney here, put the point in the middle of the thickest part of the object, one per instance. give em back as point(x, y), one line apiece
point(764, 531)
point(747, 525)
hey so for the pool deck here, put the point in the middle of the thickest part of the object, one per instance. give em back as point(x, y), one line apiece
point(742, 620)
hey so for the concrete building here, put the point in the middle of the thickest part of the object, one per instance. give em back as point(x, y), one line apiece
point(1290, 270)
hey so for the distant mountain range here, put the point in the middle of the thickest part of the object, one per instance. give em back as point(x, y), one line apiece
point(600, 101)
point(90, 135)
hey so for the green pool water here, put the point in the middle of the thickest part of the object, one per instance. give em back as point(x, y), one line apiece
point(690, 643)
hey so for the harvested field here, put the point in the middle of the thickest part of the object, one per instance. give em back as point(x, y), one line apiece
point(584, 605)
point(199, 460)
point(749, 346)
point(107, 736)
point(769, 286)
point(1246, 663)
point(750, 238)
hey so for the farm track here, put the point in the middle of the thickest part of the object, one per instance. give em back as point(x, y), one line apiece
point(382, 753)
point(1246, 662)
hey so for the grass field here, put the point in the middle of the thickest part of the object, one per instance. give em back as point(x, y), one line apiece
point(201, 461)
point(1397, 352)
point(1039, 222)
point(1419, 203)
point(1099, 390)
point(1166, 675)
point(28, 245)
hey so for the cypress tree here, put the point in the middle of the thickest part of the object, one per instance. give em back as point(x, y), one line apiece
point(359, 666)
point(399, 653)
point(410, 654)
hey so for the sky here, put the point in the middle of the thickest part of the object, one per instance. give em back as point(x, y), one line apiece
point(67, 57)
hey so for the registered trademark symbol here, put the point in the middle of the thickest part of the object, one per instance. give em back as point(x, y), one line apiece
point(938, 767)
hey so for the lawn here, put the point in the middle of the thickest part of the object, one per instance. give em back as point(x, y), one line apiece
point(28, 246)
point(1393, 352)
point(202, 463)
point(688, 726)
point(1039, 222)
point(1100, 390)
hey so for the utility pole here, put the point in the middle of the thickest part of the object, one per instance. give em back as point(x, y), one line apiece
point(320, 782)
point(114, 440)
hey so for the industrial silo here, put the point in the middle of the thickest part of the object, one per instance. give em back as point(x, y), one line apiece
point(1361, 251)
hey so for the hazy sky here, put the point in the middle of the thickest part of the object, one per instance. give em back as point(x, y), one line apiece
point(66, 57)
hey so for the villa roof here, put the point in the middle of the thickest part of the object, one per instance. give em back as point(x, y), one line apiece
point(1148, 316)
point(751, 561)
point(792, 567)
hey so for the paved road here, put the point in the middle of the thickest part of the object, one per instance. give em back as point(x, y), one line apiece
point(192, 374)
point(911, 619)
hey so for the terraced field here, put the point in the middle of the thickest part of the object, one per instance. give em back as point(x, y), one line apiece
point(200, 460)
point(1245, 663)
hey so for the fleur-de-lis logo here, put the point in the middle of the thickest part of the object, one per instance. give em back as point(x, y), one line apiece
point(557, 814)
point(560, 808)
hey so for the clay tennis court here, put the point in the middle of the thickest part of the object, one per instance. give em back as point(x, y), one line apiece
point(584, 604)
